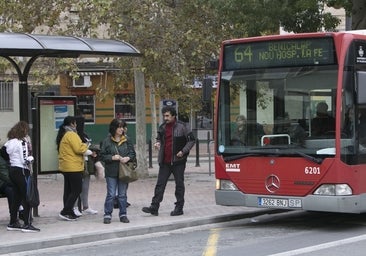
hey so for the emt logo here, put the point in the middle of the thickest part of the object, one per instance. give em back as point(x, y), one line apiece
point(232, 167)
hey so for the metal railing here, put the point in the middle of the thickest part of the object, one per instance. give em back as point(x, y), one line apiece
point(197, 151)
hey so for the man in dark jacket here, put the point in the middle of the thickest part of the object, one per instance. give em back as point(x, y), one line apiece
point(174, 142)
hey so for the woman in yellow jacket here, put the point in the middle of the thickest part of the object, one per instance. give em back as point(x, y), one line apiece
point(71, 152)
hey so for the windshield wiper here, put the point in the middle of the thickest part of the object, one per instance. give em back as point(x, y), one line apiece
point(316, 160)
point(235, 157)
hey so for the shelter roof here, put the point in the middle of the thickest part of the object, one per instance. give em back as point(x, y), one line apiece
point(29, 45)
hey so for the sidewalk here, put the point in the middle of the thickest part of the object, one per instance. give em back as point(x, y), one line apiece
point(200, 209)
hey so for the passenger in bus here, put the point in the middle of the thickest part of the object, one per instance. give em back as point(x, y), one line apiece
point(241, 135)
point(323, 123)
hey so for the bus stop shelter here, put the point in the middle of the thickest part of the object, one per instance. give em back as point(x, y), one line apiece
point(14, 45)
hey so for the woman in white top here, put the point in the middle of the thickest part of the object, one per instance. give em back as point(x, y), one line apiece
point(19, 149)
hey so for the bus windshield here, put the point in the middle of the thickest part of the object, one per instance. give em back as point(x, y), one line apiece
point(277, 111)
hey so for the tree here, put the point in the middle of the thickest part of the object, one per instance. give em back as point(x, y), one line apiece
point(28, 16)
point(174, 36)
point(307, 16)
point(358, 14)
point(293, 15)
point(249, 18)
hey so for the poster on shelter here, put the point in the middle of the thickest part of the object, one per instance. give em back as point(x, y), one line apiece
point(51, 114)
point(60, 112)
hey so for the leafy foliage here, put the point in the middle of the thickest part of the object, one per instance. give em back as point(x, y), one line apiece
point(176, 37)
point(308, 16)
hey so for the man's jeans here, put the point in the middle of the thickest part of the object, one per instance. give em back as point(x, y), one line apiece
point(113, 185)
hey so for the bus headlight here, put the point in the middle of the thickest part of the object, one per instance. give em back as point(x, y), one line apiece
point(334, 190)
point(225, 185)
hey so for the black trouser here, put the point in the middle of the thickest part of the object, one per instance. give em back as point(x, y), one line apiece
point(72, 190)
point(165, 170)
point(18, 176)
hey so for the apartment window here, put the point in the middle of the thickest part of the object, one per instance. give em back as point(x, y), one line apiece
point(6, 96)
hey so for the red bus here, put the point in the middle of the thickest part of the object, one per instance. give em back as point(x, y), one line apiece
point(290, 122)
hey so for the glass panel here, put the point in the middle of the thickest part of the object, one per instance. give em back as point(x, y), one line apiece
point(348, 120)
point(278, 111)
point(85, 104)
point(125, 107)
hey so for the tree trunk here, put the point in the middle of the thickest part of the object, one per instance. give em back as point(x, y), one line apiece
point(153, 112)
point(140, 119)
point(358, 14)
point(154, 129)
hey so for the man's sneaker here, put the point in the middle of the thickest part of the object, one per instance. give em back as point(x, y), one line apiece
point(150, 210)
point(107, 220)
point(124, 219)
point(14, 227)
point(68, 217)
point(176, 212)
point(30, 229)
point(77, 212)
point(90, 211)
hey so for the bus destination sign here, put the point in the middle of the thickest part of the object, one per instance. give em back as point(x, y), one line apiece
point(279, 53)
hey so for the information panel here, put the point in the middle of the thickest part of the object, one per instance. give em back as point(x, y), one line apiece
point(51, 114)
point(279, 53)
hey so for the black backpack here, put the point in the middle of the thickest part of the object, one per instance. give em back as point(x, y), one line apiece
point(4, 154)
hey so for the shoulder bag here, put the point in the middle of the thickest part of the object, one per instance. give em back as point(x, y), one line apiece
point(127, 171)
point(32, 192)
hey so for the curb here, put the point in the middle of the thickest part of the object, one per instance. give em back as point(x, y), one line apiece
point(135, 231)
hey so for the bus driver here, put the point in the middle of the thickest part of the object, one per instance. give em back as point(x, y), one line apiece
point(323, 123)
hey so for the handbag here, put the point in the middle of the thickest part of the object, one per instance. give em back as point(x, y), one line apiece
point(127, 172)
point(89, 166)
point(32, 192)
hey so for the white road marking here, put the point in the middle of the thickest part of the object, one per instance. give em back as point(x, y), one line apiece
point(321, 246)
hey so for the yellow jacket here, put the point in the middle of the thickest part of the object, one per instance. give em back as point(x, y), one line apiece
point(70, 155)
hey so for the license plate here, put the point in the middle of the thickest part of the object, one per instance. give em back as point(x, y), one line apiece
point(279, 202)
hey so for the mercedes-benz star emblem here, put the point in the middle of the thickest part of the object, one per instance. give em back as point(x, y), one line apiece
point(272, 183)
